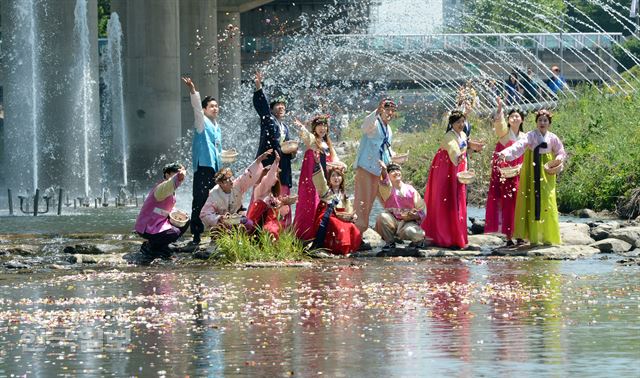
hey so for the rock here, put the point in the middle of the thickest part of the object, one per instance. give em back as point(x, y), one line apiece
point(20, 249)
point(372, 237)
point(477, 226)
point(202, 254)
point(85, 259)
point(629, 234)
point(575, 234)
point(486, 240)
point(601, 231)
point(631, 261)
point(554, 252)
point(612, 246)
point(443, 252)
point(279, 264)
point(586, 213)
point(59, 267)
point(71, 259)
point(14, 264)
point(91, 249)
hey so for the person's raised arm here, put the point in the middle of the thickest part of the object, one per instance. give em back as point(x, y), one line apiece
point(264, 186)
point(260, 101)
point(251, 175)
point(196, 104)
point(500, 126)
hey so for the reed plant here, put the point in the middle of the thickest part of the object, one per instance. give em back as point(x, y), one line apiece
point(237, 246)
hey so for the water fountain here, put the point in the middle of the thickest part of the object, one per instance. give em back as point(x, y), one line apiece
point(116, 153)
point(85, 123)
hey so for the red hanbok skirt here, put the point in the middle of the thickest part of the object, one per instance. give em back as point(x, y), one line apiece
point(266, 217)
point(342, 237)
point(446, 201)
point(501, 199)
point(308, 199)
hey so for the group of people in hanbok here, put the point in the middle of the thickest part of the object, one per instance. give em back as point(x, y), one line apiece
point(520, 206)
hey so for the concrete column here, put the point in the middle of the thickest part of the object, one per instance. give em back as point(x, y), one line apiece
point(229, 53)
point(152, 85)
point(198, 52)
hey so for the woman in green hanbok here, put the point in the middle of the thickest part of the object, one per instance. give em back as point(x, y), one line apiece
point(536, 214)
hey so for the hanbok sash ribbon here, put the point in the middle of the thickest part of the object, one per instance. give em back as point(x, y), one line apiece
point(537, 171)
point(318, 242)
point(385, 141)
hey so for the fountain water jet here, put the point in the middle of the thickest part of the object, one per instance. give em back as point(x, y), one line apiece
point(114, 92)
point(85, 123)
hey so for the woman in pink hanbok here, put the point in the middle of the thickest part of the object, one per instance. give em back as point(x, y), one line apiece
point(318, 143)
point(501, 199)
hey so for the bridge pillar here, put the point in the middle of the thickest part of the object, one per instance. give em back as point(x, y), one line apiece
point(152, 86)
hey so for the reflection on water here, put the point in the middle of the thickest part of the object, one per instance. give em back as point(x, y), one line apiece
point(400, 317)
point(121, 220)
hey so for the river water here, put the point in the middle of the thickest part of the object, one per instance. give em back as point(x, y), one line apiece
point(360, 317)
point(484, 316)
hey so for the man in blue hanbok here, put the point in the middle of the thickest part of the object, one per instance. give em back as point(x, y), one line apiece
point(206, 149)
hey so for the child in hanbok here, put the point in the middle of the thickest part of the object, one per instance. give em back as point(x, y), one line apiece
point(501, 199)
point(445, 196)
point(333, 227)
point(536, 213)
point(318, 143)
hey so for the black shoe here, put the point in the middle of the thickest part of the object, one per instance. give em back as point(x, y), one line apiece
point(164, 252)
point(510, 243)
point(196, 240)
point(520, 242)
point(364, 246)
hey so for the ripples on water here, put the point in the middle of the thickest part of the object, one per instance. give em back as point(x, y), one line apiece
point(370, 317)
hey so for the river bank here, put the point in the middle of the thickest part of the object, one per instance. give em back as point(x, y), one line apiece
point(37, 252)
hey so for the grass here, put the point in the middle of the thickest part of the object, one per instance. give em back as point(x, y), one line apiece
point(236, 246)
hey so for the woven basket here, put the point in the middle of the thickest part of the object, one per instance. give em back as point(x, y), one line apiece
point(466, 177)
point(553, 167)
point(400, 158)
point(229, 156)
point(289, 147)
point(510, 172)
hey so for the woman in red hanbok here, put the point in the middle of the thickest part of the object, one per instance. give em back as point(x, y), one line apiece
point(333, 227)
point(318, 143)
point(445, 196)
point(501, 199)
point(268, 208)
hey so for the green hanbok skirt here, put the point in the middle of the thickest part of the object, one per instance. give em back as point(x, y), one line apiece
point(547, 229)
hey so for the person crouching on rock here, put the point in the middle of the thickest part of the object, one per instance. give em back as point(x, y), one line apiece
point(404, 209)
point(153, 222)
point(224, 204)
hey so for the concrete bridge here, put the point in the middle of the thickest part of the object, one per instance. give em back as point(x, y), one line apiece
point(581, 56)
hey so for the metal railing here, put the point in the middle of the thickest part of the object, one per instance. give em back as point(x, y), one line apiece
point(404, 43)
